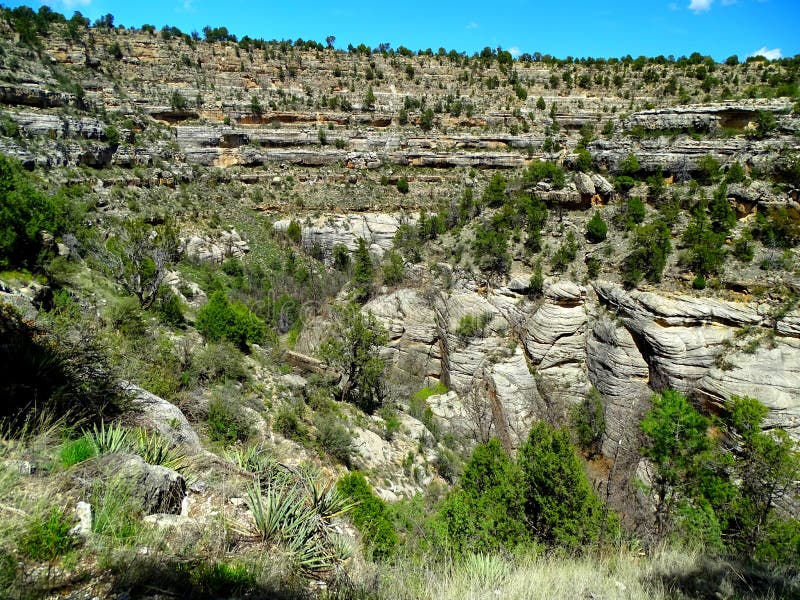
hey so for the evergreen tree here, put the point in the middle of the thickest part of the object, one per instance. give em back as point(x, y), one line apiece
point(560, 505)
point(363, 272)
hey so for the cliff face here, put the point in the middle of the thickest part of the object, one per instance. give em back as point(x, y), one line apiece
point(323, 137)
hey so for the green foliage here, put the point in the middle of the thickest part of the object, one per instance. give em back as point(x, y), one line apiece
point(705, 254)
point(426, 120)
point(536, 283)
point(584, 160)
point(566, 252)
point(288, 421)
point(169, 307)
point(588, 420)
point(226, 422)
point(333, 437)
point(352, 349)
point(560, 505)
point(544, 171)
point(735, 174)
point(25, 212)
point(765, 124)
point(220, 319)
point(178, 101)
point(490, 249)
point(470, 326)
point(629, 167)
point(768, 469)
point(402, 185)
point(649, 247)
point(370, 515)
point(708, 170)
point(624, 183)
point(65, 374)
point(76, 451)
point(596, 229)
point(46, 535)
point(392, 268)
point(294, 232)
point(341, 257)
point(487, 512)
point(495, 193)
point(723, 217)
point(632, 213)
point(363, 273)
point(676, 443)
point(138, 257)
point(112, 135)
point(540, 105)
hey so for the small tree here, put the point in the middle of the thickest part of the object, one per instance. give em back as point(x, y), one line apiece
point(675, 440)
point(768, 468)
point(596, 228)
point(138, 256)
point(560, 505)
point(495, 193)
point(363, 272)
point(588, 419)
point(369, 98)
point(352, 349)
point(540, 105)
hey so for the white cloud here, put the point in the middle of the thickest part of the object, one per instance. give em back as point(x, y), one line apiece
point(514, 51)
point(773, 54)
point(472, 25)
point(699, 6)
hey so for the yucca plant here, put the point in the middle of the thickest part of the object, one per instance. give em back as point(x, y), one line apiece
point(283, 517)
point(109, 438)
point(157, 450)
point(256, 459)
point(323, 495)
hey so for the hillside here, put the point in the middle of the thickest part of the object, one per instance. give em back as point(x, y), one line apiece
point(244, 273)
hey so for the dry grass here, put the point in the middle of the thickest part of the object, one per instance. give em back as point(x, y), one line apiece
point(621, 574)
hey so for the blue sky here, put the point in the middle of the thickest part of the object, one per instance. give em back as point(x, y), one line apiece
point(558, 27)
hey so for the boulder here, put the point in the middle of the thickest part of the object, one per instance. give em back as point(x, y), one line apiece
point(155, 413)
point(151, 488)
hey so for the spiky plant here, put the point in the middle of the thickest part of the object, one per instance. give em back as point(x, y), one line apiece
point(109, 438)
point(157, 450)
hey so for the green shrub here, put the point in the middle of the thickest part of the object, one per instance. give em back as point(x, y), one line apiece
point(588, 420)
point(288, 422)
point(76, 451)
point(221, 319)
point(402, 185)
point(490, 249)
point(126, 316)
point(169, 308)
point(559, 502)
point(371, 516)
point(25, 212)
point(536, 283)
point(494, 194)
point(333, 437)
point(226, 423)
point(222, 579)
point(630, 166)
point(393, 268)
point(596, 228)
point(46, 535)
point(294, 232)
point(624, 183)
point(470, 326)
point(735, 174)
point(584, 160)
point(545, 171)
point(708, 170)
point(220, 361)
point(488, 512)
point(649, 247)
point(565, 253)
